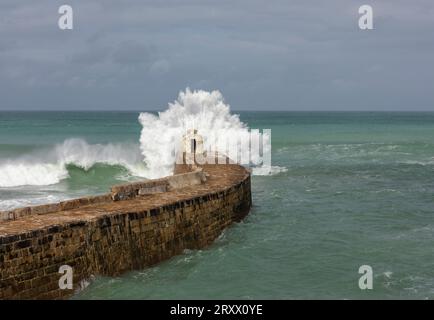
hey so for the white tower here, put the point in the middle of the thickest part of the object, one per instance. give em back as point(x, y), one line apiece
point(192, 146)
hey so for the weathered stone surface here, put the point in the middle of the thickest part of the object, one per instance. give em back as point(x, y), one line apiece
point(53, 207)
point(152, 190)
point(132, 190)
point(98, 236)
point(183, 180)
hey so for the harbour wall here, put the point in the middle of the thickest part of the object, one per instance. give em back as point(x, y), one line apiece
point(135, 226)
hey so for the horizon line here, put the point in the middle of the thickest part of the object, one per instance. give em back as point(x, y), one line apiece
point(232, 111)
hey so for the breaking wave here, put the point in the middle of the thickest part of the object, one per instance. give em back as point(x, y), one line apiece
point(48, 167)
point(154, 157)
point(204, 111)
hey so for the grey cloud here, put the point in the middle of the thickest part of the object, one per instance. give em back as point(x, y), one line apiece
point(261, 54)
point(130, 52)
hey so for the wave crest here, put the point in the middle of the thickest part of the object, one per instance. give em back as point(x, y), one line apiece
point(50, 167)
point(205, 111)
point(155, 156)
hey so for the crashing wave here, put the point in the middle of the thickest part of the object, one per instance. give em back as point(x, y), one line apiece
point(155, 156)
point(204, 111)
point(50, 167)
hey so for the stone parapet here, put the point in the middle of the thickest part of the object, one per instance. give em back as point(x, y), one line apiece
point(99, 236)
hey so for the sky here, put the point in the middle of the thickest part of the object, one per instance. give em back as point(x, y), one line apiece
point(261, 55)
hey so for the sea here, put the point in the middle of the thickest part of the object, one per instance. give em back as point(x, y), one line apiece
point(345, 190)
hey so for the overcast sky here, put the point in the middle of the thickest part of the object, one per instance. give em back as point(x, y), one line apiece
point(262, 55)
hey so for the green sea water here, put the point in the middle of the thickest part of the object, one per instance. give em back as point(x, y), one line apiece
point(353, 189)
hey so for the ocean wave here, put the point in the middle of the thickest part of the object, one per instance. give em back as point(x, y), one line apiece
point(155, 156)
point(419, 163)
point(268, 171)
point(205, 111)
point(39, 174)
point(9, 204)
point(50, 167)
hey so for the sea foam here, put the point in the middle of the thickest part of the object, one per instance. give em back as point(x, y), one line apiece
point(154, 157)
point(50, 166)
point(204, 111)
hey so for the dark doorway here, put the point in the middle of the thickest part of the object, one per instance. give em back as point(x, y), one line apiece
point(193, 146)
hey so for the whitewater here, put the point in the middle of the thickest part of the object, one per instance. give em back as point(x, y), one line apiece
point(354, 181)
point(51, 166)
point(153, 157)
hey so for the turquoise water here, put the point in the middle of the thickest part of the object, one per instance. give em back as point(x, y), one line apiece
point(358, 190)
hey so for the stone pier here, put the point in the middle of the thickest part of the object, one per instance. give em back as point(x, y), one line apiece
point(134, 226)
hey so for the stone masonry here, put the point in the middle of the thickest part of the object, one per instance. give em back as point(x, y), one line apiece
point(110, 234)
